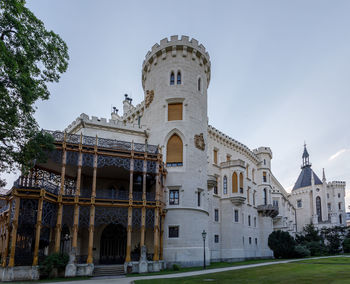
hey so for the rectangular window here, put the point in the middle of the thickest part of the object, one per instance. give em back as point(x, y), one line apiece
point(339, 205)
point(249, 222)
point(216, 238)
point(216, 186)
point(173, 231)
point(338, 195)
point(216, 215)
point(256, 241)
point(198, 198)
point(174, 197)
point(275, 203)
point(299, 203)
point(250, 240)
point(329, 206)
point(254, 221)
point(215, 156)
point(264, 177)
point(175, 111)
point(236, 216)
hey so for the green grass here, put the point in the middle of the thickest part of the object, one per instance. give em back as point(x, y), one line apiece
point(328, 270)
point(55, 280)
point(211, 266)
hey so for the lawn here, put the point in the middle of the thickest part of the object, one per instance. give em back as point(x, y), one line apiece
point(327, 270)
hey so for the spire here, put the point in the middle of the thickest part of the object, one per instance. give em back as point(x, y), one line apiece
point(306, 162)
point(323, 175)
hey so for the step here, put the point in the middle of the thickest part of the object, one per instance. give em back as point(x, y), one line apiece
point(108, 270)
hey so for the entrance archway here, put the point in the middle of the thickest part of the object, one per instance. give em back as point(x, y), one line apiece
point(113, 244)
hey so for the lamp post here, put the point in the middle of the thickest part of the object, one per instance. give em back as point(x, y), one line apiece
point(204, 235)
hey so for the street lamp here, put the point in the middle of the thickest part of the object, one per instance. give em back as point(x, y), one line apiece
point(204, 235)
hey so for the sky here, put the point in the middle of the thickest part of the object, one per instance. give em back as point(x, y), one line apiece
point(279, 78)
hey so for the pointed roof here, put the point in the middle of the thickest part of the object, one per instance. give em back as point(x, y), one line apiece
point(304, 178)
point(307, 174)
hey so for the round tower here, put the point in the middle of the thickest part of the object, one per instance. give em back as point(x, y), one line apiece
point(175, 78)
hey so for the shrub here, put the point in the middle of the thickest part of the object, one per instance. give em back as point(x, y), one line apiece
point(282, 244)
point(176, 267)
point(316, 248)
point(346, 245)
point(55, 260)
point(301, 251)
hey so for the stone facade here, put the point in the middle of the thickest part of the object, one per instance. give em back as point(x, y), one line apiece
point(203, 180)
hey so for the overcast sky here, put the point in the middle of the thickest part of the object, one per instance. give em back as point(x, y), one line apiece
point(280, 69)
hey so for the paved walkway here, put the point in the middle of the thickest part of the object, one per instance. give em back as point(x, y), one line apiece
point(128, 280)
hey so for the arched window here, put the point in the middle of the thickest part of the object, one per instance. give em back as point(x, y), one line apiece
point(199, 84)
point(174, 151)
point(340, 219)
point(318, 208)
point(265, 196)
point(241, 183)
point(225, 185)
point(234, 183)
point(172, 78)
point(178, 77)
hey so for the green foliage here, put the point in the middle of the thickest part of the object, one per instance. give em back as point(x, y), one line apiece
point(309, 234)
point(55, 260)
point(282, 244)
point(30, 58)
point(316, 248)
point(301, 251)
point(346, 245)
point(176, 267)
point(334, 238)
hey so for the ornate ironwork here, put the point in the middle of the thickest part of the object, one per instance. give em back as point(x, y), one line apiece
point(151, 166)
point(88, 160)
point(150, 196)
point(84, 216)
point(138, 147)
point(27, 211)
point(149, 218)
point(108, 215)
point(138, 165)
point(89, 140)
point(152, 149)
point(137, 195)
point(105, 161)
point(49, 214)
point(73, 138)
point(68, 215)
point(136, 217)
point(56, 156)
point(113, 144)
point(112, 194)
point(72, 158)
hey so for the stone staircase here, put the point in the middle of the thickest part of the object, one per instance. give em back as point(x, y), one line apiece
point(108, 270)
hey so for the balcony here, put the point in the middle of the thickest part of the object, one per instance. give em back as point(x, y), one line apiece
point(237, 200)
point(212, 181)
point(268, 210)
point(233, 163)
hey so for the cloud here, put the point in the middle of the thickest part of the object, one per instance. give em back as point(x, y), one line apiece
point(336, 155)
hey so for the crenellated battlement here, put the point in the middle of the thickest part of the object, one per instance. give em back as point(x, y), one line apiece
point(84, 120)
point(337, 183)
point(263, 150)
point(176, 47)
point(134, 112)
point(227, 140)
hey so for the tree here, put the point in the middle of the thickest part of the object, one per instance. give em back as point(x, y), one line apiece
point(334, 237)
point(31, 57)
point(282, 244)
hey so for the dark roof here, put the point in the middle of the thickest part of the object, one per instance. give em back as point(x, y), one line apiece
point(304, 178)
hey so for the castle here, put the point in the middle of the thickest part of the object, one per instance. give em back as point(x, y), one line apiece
point(142, 189)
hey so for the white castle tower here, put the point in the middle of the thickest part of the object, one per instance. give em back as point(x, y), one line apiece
point(175, 78)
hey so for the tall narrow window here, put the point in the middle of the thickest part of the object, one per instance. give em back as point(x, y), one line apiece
point(264, 177)
point(249, 221)
point(199, 84)
point(215, 154)
point(199, 199)
point(339, 205)
point(175, 111)
point(318, 208)
point(248, 195)
point(172, 78)
point(174, 151)
point(265, 196)
point(234, 183)
point(225, 185)
point(253, 175)
point(247, 171)
point(254, 198)
point(241, 183)
point(340, 219)
point(216, 186)
point(179, 78)
point(236, 216)
point(216, 215)
point(174, 197)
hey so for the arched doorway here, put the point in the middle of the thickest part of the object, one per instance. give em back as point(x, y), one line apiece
point(113, 244)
